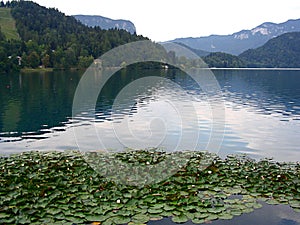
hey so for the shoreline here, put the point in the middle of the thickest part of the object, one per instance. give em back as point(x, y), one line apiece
point(250, 68)
point(30, 70)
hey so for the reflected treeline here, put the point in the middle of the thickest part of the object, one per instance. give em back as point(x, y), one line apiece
point(32, 101)
point(35, 102)
point(124, 77)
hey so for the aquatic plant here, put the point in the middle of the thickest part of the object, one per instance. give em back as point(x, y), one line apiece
point(61, 188)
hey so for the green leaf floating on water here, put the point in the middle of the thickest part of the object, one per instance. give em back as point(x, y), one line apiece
point(225, 216)
point(61, 187)
point(4, 215)
point(180, 219)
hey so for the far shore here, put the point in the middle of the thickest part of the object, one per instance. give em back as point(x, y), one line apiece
point(253, 68)
point(30, 70)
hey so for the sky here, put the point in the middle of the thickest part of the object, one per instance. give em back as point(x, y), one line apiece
point(163, 20)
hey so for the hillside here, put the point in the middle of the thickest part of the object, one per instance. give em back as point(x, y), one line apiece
point(282, 51)
point(241, 41)
point(223, 60)
point(198, 52)
point(48, 38)
point(8, 24)
point(106, 23)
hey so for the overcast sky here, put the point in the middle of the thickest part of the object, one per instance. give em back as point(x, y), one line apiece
point(163, 20)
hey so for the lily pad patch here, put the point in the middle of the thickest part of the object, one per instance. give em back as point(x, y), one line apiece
point(62, 188)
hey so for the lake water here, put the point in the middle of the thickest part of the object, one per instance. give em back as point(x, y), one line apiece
point(261, 113)
point(261, 118)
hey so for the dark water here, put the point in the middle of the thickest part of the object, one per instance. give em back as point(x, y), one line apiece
point(261, 118)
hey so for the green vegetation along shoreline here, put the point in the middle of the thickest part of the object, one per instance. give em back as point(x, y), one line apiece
point(62, 188)
point(37, 36)
point(32, 36)
point(30, 70)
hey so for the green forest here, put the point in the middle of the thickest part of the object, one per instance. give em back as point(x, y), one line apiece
point(49, 39)
point(32, 36)
point(282, 52)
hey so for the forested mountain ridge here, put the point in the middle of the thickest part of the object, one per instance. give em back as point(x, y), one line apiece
point(223, 60)
point(282, 51)
point(106, 23)
point(49, 38)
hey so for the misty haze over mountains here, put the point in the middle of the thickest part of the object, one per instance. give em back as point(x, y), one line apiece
point(241, 41)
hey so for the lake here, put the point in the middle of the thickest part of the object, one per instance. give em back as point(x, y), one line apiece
point(261, 118)
point(261, 113)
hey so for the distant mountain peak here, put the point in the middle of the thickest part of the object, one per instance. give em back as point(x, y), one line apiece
point(243, 40)
point(106, 23)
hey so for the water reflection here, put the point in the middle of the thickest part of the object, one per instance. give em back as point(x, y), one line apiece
point(273, 215)
point(262, 111)
point(33, 102)
point(270, 92)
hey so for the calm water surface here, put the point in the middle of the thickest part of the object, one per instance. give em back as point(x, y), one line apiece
point(262, 113)
point(262, 118)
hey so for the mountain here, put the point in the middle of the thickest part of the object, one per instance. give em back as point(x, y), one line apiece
point(223, 60)
point(198, 52)
point(48, 38)
point(106, 23)
point(241, 41)
point(282, 51)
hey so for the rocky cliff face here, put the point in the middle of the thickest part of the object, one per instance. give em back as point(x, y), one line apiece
point(106, 23)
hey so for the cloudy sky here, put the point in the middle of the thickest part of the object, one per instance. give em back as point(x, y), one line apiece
point(163, 20)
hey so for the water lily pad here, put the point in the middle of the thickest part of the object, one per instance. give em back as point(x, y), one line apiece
point(211, 217)
point(62, 187)
point(140, 218)
point(294, 204)
point(180, 219)
point(272, 202)
point(169, 208)
point(225, 216)
point(4, 215)
point(121, 219)
point(154, 211)
point(95, 218)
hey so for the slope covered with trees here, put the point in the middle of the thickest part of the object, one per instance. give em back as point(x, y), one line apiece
point(51, 39)
point(282, 51)
point(223, 60)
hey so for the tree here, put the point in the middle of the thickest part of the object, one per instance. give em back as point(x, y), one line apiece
point(2, 36)
point(50, 38)
point(33, 60)
point(46, 60)
point(85, 61)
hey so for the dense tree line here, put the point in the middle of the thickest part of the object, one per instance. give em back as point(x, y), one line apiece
point(51, 39)
point(223, 60)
